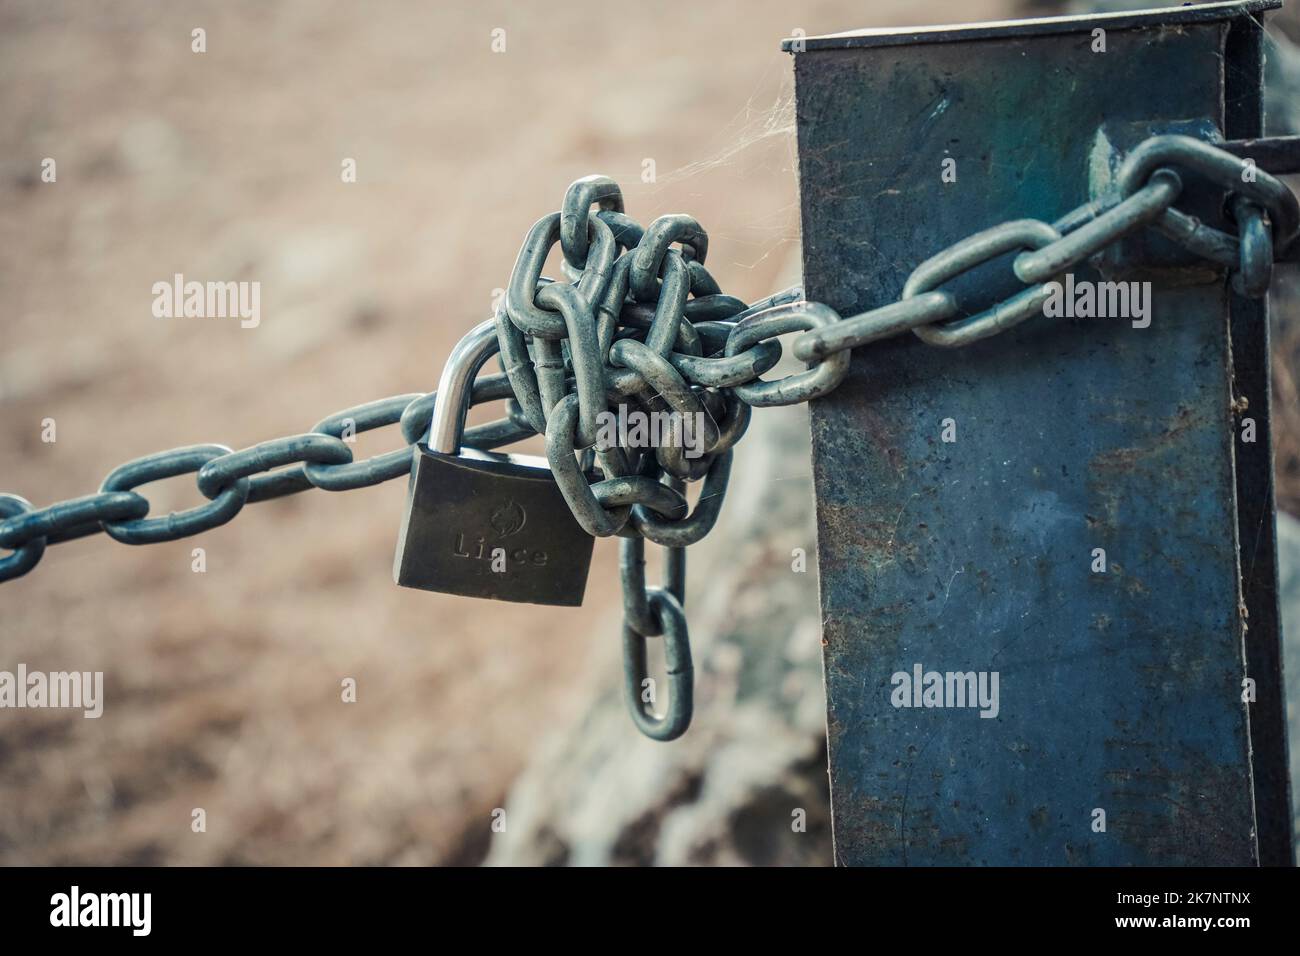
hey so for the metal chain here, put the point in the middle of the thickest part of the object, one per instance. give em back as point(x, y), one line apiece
point(641, 322)
point(231, 479)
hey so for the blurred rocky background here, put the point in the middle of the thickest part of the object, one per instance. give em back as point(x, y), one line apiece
point(223, 688)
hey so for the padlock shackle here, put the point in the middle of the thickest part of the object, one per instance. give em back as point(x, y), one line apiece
point(457, 384)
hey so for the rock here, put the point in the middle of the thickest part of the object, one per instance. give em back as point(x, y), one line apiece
point(1288, 573)
point(747, 783)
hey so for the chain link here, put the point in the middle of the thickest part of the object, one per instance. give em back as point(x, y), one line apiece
point(641, 322)
point(231, 479)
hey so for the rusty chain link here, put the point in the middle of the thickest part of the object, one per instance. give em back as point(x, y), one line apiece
point(640, 321)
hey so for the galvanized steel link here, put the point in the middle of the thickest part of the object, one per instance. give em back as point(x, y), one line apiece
point(671, 621)
point(820, 378)
point(579, 199)
point(71, 519)
point(966, 255)
point(168, 464)
point(26, 555)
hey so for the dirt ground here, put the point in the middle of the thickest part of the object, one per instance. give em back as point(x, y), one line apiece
point(223, 687)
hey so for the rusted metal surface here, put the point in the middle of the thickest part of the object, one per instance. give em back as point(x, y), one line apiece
point(1118, 692)
point(1277, 154)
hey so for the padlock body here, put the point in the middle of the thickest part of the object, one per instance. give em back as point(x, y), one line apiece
point(491, 526)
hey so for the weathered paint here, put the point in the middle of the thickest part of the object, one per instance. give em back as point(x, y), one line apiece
point(1118, 691)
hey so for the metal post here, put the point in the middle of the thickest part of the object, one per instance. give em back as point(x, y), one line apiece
point(1121, 735)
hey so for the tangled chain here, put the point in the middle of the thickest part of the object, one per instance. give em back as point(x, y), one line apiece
point(640, 321)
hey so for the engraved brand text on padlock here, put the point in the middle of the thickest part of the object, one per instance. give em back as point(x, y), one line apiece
point(484, 524)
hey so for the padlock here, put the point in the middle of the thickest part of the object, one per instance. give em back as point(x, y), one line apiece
point(485, 524)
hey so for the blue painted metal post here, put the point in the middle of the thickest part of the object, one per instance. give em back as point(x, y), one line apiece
point(962, 494)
